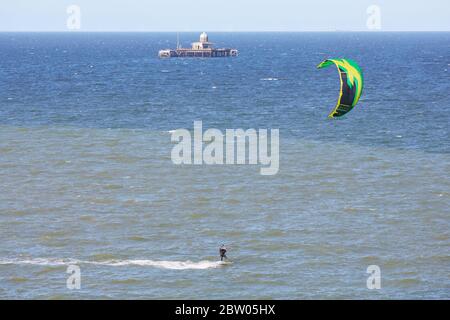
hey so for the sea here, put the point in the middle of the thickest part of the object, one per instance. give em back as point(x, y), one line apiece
point(87, 179)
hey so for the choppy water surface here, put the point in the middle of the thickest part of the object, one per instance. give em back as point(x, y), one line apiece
point(87, 179)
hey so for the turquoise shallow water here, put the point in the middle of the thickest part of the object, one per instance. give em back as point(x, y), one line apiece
point(87, 177)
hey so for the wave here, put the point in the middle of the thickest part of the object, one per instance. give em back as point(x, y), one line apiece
point(173, 265)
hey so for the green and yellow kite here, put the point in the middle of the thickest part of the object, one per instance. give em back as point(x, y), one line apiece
point(352, 84)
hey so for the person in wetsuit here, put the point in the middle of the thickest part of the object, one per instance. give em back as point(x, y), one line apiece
point(222, 252)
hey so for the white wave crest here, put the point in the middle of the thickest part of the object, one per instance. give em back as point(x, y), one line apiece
point(41, 261)
point(173, 265)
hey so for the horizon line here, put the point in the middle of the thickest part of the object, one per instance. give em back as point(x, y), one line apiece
point(223, 31)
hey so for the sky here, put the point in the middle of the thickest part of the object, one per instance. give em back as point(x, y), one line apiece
point(227, 15)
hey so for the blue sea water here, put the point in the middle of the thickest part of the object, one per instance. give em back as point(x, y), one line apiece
point(87, 176)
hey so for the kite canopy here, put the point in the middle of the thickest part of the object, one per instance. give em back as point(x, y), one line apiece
point(352, 84)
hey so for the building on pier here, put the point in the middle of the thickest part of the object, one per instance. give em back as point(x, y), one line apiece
point(202, 49)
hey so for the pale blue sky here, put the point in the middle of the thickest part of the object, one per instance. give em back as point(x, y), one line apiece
point(226, 15)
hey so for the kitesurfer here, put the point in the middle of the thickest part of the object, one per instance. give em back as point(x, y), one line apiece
point(222, 252)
